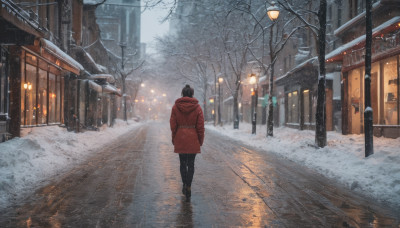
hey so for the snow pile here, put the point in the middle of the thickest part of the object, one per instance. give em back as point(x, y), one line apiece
point(342, 159)
point(44, 152)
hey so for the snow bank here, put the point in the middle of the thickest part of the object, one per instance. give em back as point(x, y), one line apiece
point(342, 159)
point(44, 152)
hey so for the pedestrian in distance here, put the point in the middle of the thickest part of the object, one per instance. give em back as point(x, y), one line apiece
point(187, 128)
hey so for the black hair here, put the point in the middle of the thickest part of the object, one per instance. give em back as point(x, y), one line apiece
point(187, 91)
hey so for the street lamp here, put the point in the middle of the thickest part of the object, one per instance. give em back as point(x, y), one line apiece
point(273, 11)
point(273, 14)
point(220, 80)
point(254, 101)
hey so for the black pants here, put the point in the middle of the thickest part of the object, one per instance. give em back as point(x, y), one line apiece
point(187, 168)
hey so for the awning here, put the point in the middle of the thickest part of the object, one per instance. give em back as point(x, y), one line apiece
point(68, 63)
point(386, 27)
point(96, 87)
point(111, 89)
point(108, 77)
point(308, 62)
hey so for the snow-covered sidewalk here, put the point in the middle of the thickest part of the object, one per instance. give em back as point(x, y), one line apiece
point(342, 159)
point(44, 152)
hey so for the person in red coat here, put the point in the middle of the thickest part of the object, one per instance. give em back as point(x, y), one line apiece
point(187, 128)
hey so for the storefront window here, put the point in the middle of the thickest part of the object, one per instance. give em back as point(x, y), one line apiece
point(29, 87)
point(306, 105)
point(314, 108)
point(293, 100)
point(41, 91)
point(390, 82)
point(52, 98)
point(42, 97)
point(82, 100)
point(61, 92)
point(375, 91)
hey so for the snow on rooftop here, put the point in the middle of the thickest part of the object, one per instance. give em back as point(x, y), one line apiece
point(62, 55)
point(298, 67)
point(342, 159)
point(360, 39)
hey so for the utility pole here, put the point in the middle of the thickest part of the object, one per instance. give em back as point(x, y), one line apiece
point(368, 114)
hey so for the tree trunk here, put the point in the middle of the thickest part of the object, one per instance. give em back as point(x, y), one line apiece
point(235, 111)
point(270, 121)
point(320, 125)
point(124, 97)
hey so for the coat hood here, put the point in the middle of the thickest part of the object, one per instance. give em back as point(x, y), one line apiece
point(186, 104)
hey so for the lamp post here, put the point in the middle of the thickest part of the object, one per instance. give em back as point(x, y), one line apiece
point(273, 14)
point(220, 80)
point(368, 113)
point(254, 101)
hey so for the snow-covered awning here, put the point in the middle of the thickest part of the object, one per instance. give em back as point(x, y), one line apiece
point(107, 88)
point(96, 87)
point(386, 27)
point(70, 63)
point(108, 77)
point(297, 68)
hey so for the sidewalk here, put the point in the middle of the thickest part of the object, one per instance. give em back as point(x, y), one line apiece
point(45, 152)
point(342, 159)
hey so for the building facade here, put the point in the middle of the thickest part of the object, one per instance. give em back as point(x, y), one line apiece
point(40, 78)
point(385, 66)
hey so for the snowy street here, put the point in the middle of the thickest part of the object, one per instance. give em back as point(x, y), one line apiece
point(133, 180)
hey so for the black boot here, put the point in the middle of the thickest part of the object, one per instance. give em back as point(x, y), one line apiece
point(188, 193)
point(184, 189)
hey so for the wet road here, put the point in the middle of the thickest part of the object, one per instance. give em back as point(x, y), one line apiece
point(135, 182)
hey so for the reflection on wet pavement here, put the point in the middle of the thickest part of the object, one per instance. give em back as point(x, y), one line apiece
point(135, 182)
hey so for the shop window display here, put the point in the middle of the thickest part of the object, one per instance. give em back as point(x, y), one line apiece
point(42, 97)
point(390, 83)
point(293, 100)
point(306, 104)
point(52, 98)
point(29, 87)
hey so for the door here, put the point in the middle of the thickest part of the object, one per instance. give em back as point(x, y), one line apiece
point(355, 101)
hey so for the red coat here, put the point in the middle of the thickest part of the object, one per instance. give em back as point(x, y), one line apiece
point(187, 126)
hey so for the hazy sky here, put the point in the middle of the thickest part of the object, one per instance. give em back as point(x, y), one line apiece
point(151, 26)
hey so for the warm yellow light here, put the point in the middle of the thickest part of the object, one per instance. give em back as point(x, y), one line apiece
point(253, 79)
point(211, 100)
point(240, 105)
point(152, 91)
point(273, 11)
point(155, 100)
point(251, 89)
point(142, 85)
point(136, 101)
point(29, 86)
point(212, 112)
point(220, 80)
point(306, 91)
point(25, 86)
point(142, 100)
point(164, 95)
